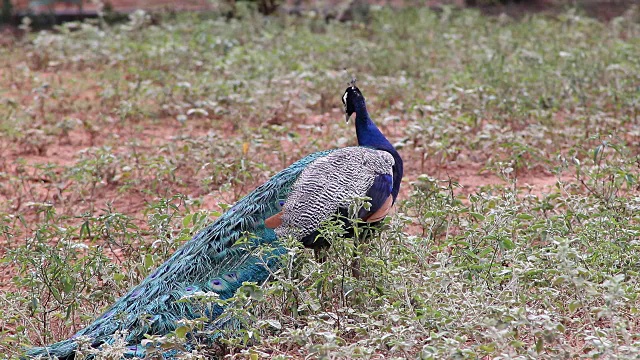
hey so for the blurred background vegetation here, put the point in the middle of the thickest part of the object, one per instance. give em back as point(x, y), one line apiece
point(49, 12)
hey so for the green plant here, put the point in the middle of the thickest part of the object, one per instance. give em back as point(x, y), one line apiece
point(515, 234)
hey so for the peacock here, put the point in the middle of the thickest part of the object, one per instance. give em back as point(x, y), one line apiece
point(218, 259)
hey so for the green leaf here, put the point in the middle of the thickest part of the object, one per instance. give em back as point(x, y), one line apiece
point(85, 229)
point(186, 220)
point(67, 284)
point(148, 261)
point(524, 216)
point(539, 345)
point(574, 305)
point(477, 216)
point(33, 304)
point(56, 294)
point(596, 151)
point(507, 244)
point(630, 179)
point(67, 314)
point(181, 332)
point(488, 348)
point(256, 294)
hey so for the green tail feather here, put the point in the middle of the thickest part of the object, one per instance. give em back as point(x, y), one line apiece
point(210, 261)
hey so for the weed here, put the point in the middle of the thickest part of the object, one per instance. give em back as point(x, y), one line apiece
point(142, 124)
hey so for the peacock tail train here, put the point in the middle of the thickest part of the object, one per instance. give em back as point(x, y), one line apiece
point(209, 262)
point(293, 203)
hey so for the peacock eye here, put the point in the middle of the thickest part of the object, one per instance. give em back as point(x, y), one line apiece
point(344, 98)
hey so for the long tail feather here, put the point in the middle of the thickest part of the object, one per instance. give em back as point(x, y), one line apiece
point(212, 261)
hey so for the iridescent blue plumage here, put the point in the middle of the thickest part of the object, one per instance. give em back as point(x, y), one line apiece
point(370, 136)
point(209, 262)
point(378, 192)
point(216, 261)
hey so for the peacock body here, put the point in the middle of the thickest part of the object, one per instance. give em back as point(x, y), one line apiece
point(329, 184)
point(292, 203)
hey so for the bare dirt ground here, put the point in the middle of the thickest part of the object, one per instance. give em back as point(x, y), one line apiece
point(65, 151)
point(469, 175)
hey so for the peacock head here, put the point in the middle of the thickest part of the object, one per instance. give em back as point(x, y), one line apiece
point(351, 97)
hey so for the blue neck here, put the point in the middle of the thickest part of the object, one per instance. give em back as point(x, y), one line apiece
point(369, 135)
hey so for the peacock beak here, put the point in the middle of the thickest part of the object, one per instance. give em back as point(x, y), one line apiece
point(347, 117)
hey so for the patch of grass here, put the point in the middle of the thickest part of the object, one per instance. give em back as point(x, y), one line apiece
point(516, 234)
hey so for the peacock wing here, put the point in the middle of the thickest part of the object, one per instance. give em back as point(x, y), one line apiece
point(331, 182)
